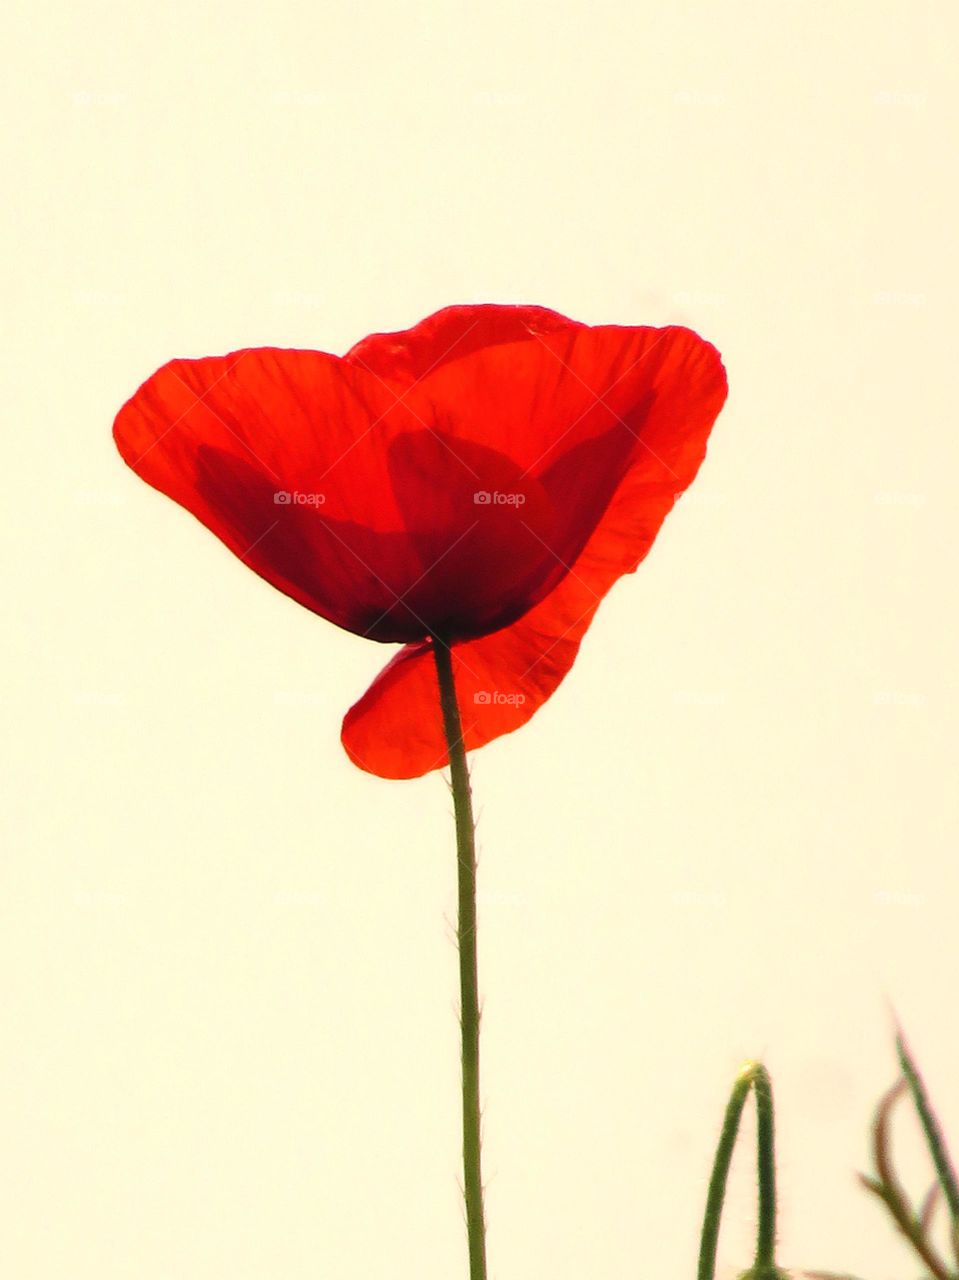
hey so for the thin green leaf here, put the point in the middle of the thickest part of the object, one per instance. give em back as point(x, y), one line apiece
point(936, 1143)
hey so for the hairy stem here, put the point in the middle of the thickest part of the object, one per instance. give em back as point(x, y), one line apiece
point(469, 981)
point(753, 1076)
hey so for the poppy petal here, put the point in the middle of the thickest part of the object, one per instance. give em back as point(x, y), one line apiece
point(285, 456)
point(561, 416)
point(536, 397)
point(450, 334)
point(395, 729)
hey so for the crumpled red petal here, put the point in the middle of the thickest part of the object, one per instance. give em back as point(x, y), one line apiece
point(451, 334)
point(255, 445)
point(395, 729)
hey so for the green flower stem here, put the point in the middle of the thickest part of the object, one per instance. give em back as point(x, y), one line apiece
point(765, 1168)
point(466, 939)
point(753, 1076)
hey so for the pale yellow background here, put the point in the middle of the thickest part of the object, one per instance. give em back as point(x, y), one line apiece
point(230, 1045)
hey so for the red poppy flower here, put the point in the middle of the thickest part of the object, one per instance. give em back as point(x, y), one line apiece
point(484, 477)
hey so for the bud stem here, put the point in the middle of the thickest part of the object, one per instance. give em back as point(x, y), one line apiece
point(753, 1076)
